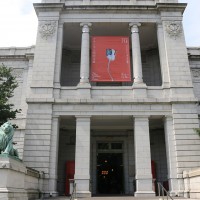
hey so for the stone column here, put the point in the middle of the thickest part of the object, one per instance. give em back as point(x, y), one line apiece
point(136, 53)
point(142, 158)
point(53, 161)
point(162, 55)
point(82, 156)
point(85, 54)
point(139, 88)
point(171, 155)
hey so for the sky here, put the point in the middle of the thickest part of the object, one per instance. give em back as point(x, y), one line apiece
point(18, 23)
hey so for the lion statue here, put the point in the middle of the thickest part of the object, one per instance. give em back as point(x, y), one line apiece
point(6, 140)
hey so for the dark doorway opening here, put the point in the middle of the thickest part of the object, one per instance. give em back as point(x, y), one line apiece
point(110, 173)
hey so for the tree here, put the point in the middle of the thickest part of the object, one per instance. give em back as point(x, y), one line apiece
point(7, 85)
point(197, 131)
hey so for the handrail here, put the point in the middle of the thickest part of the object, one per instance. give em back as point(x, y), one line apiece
point(73, 195)
point(162, 191)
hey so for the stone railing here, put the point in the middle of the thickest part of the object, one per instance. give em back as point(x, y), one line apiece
point(192, 183)
point(32, 183)
point(17, 180)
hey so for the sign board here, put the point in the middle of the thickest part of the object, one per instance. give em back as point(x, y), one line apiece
point(110, 59)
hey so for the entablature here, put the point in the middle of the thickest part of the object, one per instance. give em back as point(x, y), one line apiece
point(110, 2)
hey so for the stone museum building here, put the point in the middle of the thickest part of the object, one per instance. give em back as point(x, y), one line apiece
point(119, 118)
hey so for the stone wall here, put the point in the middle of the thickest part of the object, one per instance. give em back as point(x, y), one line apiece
point(32, 183)
point(21, 61)
point(194, 60)
point(192, 183)
point(18, 181)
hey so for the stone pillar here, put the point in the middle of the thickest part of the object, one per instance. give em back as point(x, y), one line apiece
point(45, 54)
point(53, 161)
point(82, 156)
point(171, 156)
point(142, 158)
point(58, 61)
point(85, 54)
point(139, 88)
point(163, 56)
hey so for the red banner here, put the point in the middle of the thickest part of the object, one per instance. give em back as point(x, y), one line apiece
point(110, 59)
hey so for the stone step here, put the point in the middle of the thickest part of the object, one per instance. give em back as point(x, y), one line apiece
point(118, 198)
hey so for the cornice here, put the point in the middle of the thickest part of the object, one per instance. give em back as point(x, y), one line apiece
point(112, 101)
point(193, 53)
point(46, 7)
point(25, 57)
point(171, 7)
point(13, 57)
point(193, 57)
point(110, 7)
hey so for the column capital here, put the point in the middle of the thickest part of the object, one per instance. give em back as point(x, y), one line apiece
point(134, 27)
point(82, 117)
point(56, 117)
point(168, 117)
point(85, 27)
point(141, 116)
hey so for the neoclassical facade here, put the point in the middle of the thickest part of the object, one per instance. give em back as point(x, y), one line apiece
point(125, 136)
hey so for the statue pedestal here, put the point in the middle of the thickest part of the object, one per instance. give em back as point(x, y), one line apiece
point(12, 176)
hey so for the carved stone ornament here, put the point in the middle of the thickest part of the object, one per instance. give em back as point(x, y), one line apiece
point(196, 73)
point(47, 29)
point(17, 73)
point(174, 29)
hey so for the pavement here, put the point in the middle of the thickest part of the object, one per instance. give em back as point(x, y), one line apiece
point(118, 198)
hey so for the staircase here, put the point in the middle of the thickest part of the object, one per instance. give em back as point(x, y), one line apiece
point(118, 198)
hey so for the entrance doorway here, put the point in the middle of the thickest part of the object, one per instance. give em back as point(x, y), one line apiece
point(110, 178)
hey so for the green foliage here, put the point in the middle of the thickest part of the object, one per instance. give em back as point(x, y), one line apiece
point(197, 131)
point(7, 85)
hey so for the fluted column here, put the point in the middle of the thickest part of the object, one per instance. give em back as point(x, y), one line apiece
point(136, 53)
point(85, 54)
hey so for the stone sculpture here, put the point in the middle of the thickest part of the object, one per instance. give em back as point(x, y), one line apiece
point(6, 140)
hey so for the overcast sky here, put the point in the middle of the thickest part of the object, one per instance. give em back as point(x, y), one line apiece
point(18, 23)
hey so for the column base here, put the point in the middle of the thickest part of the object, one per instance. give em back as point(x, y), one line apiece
point(173, 193)
point(145, 194)
point(83, 194)
point(165, 85)
point(53, 194)
point(139, 90)
point(82, 187)
point(50, 194)
point(84, 90)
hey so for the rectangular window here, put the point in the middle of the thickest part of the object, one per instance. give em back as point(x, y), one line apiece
point(116, 146)
point(103, 146)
